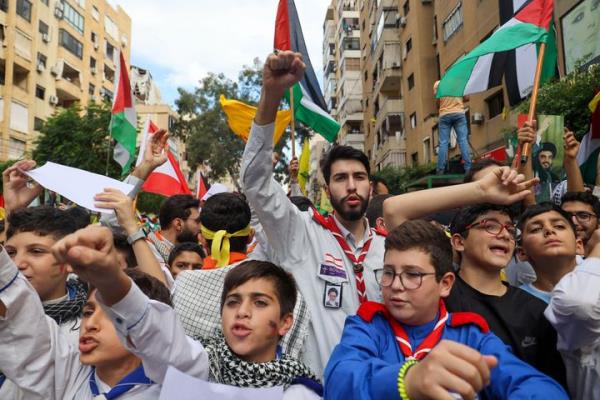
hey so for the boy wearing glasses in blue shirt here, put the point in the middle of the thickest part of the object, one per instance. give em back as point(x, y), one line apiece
point(411, 347)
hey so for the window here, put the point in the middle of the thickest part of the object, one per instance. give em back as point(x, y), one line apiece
point(94, 37)
point(389, 18)
point(24, 9)
point(91, 89)
point(43, 27)
point(415, 158)
point(413, 120)
point(4, 5)
point(73, 17)
point(92, 62)
point(40, 92)
point(435, 29)
point(408, 45)
point(406, 8)
point(16, 148)
point(95, 13)
point(411, 81)
point(427, 149)
point(41, 60)
point(69, 42)
point(352, 64)
point(495, 104)
point(453, 23)
point(351, 43)
point(111, 28)
point(109, 74)
point(44, 2)
point(106, 94)
point(19, 117)
point(110, 51)
point(38, 123)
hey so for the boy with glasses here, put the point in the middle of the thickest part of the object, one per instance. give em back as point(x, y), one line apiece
point(585, 208)
point(412, 347)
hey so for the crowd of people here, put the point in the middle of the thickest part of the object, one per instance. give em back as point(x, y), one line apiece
point(379, 300)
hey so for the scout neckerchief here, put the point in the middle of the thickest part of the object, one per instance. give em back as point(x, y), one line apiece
point(137, 377)
point(357, 263)
point(427, 344)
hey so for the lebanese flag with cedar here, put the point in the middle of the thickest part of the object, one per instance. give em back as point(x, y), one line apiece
point(166, 180)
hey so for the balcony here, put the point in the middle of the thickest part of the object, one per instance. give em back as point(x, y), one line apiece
point(389, 117)
point(391, 153)
point(388, 66)
point(68, 85)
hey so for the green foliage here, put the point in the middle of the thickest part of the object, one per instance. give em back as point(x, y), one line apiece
point(149, 203)
point(397, 177)
point(4, 165)
point(203, 124)
point(570, 97)
point(77, 138)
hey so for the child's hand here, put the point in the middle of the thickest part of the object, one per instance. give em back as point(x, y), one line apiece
point(450, 367)
point(527, 133)
point(571, 145)
point(123, 206)
point(504, 186)
point(91, 254)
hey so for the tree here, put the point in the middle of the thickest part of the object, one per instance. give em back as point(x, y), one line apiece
point(77, 138)
point(203, 124)
point(569, 97)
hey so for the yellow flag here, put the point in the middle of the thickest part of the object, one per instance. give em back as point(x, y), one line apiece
point(325, 204)
point(594, 103)
point(240, 116)
point(304, 167)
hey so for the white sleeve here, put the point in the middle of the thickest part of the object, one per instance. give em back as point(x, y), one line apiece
point(280, 219)
point(574, 308)
point(110, 220)
point(34, 355)
point(151, 330)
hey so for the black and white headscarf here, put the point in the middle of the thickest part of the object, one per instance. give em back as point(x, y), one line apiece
point(229, 369)
point(71, 308)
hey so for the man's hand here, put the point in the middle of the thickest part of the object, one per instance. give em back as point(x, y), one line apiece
point(19, 190)
point(527, 133)
point(504, 186)
point(449, 368)
point(123, 206)
point(155, 154)
point(91, 253)
point(293, 169)
point(281, 71)
point(571, 145)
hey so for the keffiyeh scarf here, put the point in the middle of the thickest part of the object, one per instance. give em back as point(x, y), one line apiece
point(226, 368)
point(71, 308)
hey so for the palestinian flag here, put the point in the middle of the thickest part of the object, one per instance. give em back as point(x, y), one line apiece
point(202, 186)
point(587, 157)
point(519, 64)
point(123, 121)
point(166, 180)
point(310, 107)
point(476, 72)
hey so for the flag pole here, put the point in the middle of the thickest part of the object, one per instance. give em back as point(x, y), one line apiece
point(108, 154)
point(293, 121)
point(534, 96)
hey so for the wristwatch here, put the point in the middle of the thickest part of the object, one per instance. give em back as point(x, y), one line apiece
point(137, 235)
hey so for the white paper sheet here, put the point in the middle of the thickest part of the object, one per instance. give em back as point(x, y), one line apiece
point(180, 386)
point(75, 184)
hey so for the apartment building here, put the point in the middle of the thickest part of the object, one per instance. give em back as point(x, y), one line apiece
point(381, 74)
point(341, 70)
point(54, 53)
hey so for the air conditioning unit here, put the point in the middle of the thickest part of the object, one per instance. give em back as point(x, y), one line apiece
point(46, 37)
point(96, 46)
point(54, 71)
point(58, 12)
point(40, 67)
point(477, 118)
point(395, 65)
point(53, 100)
point(403, 21)
point(93, 70)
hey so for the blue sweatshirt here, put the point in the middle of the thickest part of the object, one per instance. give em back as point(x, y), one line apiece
point(366, 363)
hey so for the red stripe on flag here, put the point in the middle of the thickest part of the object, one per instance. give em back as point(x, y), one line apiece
point(595, 121)
point(202, 187)
point(283, 39)
point(123, 91)
point(163, 184)
point(538, 12)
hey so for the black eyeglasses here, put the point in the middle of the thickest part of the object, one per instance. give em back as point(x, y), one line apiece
point(583, 216)
point(410, 280)
point(494, 227)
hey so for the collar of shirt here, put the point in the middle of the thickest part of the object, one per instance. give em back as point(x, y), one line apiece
point(349, 237)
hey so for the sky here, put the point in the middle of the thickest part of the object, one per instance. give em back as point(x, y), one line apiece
point(179, 41)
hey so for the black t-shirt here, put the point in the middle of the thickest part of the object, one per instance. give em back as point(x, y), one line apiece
point(517, 318)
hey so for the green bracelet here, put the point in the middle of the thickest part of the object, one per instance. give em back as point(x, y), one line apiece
point(401, 385)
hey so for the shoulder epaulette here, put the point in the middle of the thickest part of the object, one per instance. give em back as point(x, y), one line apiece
point(466, 318)
point(368, 309)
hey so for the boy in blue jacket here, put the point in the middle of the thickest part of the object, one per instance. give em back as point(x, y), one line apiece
point(410, 347)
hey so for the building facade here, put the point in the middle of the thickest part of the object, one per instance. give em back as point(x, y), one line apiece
point(407, 45)
point(55, 53)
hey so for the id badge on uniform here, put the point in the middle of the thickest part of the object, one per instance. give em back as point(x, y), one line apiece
point(332, 296)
